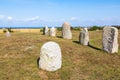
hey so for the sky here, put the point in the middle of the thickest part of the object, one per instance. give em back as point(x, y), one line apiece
point(25, 13)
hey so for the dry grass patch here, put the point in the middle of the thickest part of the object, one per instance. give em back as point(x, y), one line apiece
point(19, 54)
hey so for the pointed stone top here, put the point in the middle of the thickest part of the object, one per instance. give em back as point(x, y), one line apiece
point(49, 44)
point(110, 27)
point(46, 26)
point(85, 29)
point(66, 24)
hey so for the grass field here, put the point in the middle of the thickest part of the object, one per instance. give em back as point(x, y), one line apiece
point(19, 54)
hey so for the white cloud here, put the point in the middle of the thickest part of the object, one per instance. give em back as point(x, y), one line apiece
point(32, 19)
point(2, 16)
point(73, 18)
point(9, 18)
point(36, 18)
point(5, 18)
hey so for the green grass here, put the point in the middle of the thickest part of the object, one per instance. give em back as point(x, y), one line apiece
point(19, 54)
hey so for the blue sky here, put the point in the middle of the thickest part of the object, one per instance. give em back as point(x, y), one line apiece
point(56, 12)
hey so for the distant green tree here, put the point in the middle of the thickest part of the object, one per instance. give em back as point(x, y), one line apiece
point(76, 28)
point(117, 26)
point(95, 28)
point(10, 30)
point(59, 28)
point(4, 30)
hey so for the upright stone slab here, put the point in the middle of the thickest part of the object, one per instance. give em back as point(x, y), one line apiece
point(66, 31)
point(52, 31)
point(50, 57)
point(46, 30)
point(8, 34)
point(84, 37)
point(110, 39)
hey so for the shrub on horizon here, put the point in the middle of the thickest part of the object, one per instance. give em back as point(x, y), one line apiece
point(93, 28)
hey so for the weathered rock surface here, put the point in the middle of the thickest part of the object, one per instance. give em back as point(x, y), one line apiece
point(50, 57)
point(8, 34)
point(46, 30)
point(84, 37)
point(110, 39)
point(66, 31)
point(52, 31)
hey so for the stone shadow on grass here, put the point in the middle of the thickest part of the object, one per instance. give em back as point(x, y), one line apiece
point(77, 42)
point(59, 36)
point(38, 61)
point(93, 47)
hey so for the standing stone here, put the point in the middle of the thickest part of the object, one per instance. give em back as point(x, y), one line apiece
point(8, 34)
point(50, 57)
point(84, 37)
point(46, 30)
point(66, 31)
point(52, 31)
point(110, 39)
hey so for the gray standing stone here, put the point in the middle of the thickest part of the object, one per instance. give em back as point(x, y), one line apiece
point(50, 57)
point(110, 39)
point(46, 30)
point(8, 34)
point(52, 31)
point(66, 31)
point(84, 37)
